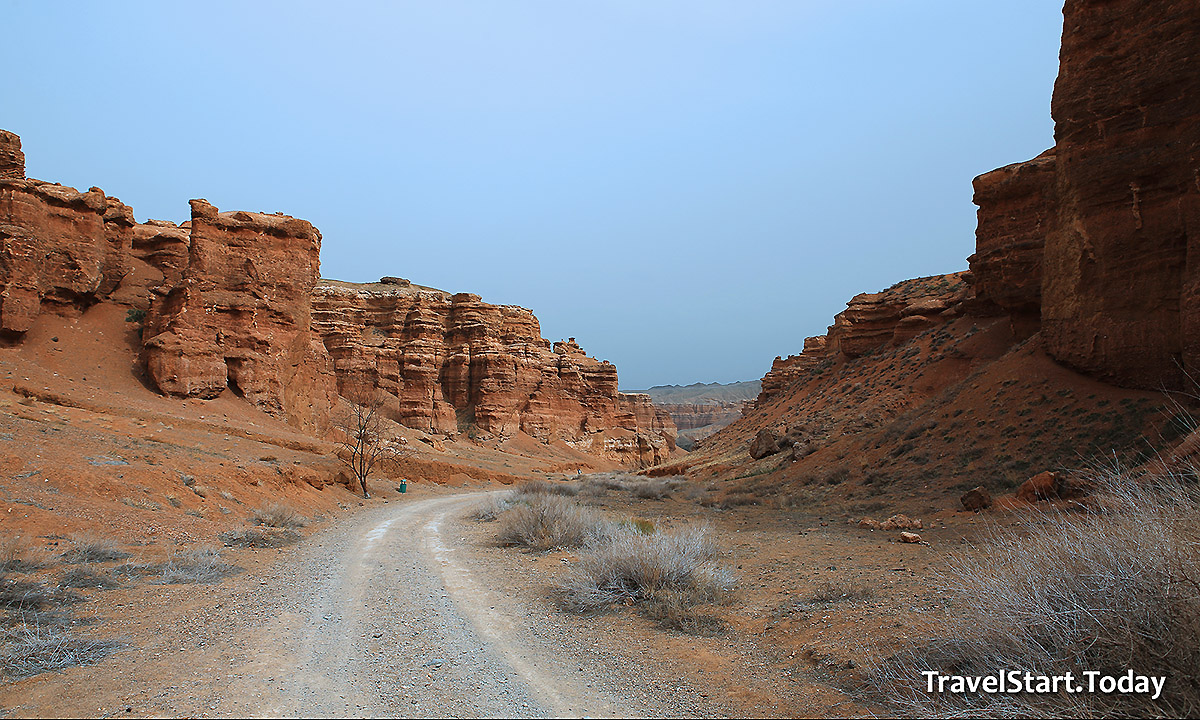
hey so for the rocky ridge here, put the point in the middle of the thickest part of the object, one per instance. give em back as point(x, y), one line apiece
point(234, 301)
point(1080, 296)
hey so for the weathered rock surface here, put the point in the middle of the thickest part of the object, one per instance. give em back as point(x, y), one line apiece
point(239, 317)
point(60, 249)
point(1121, 285)
point(1016, 212)
point(977, 498)
point(456, 363)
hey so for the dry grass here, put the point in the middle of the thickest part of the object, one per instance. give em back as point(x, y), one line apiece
point(829, 592)
point(543, 521)
point(544, 487)
point(258, 539)
point(491, 509)
point(92, 549)
point(16, 556)
point(32, 601)
point(667, 574)
point(652, 490)
point(199, 565)
point(279, 515)
point(79, 577)
point(1112, 589)
point(33, 649)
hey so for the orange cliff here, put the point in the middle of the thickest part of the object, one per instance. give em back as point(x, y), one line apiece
point(234, 300)
point(456, 363)
point(1082, 300)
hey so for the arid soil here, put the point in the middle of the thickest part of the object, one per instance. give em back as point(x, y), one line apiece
point(407, 606)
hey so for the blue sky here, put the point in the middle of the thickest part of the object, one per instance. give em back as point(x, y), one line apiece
point(687, 188)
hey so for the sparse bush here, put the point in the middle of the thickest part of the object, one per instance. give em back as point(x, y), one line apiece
point(25, 601)
point(199, 565)
point(490, 509)
point(654, 490)
point(545, 521)
point(737, 499)
point(33, 649)
point(15, 556)
point(91, 549)
point(1112, 589)
point(83, 578)
point(828, 593)
point(667, 574)
point(544, 487)
point(259, 539)
point(279, 515)
point(142, 504)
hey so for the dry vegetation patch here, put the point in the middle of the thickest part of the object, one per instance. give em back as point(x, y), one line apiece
point(92, 549)
point(1113, 588)
point(279, 515)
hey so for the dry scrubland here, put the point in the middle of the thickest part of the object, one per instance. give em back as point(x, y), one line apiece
point(1109, 583)
point(41, 591)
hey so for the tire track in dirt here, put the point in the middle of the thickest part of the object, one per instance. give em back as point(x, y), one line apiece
point(381, 616)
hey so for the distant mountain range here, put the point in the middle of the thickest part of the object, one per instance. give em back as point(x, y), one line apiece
point(703, 393)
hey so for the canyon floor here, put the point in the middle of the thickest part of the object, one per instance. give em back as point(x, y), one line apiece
point(407, 606)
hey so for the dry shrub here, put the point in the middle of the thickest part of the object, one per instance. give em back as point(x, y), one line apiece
point(737, 499)
point(829, 592)
point(492, 508)
point(83, 578)
point(92, 549)
point(542, 522)
point(278, 515)
point(32, 601)
point(1110, 589)
point(15, 556)
point(33, 649)
point(654, 490)
point(667, 574)
point(544, 487)
point(198, 565)
point(258, 539)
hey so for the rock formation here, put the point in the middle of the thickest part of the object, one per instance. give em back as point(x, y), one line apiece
point(59, 247)
point(239, 317)
point(456, 363)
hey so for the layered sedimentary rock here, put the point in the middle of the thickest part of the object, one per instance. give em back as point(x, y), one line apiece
point(872, 321)
point(164, 245)
point(60, 249)
point(239, 317)
point(456, 363)
point(1017, 209)
point(1121, 287)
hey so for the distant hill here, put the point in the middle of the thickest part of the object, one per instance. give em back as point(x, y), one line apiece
point(703, 393)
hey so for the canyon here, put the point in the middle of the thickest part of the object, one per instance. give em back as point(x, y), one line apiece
point(1079, 302)
point(234, 302)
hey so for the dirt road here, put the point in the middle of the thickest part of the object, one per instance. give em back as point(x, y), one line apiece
point(382, 617)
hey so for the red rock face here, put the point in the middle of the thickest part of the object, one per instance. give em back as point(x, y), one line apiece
point(1017, 209)
point(1121, 285)
point(239, 317)
point(60, 249)
point(455, 363)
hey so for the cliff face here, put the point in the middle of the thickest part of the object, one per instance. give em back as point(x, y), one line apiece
point(872, 322)
point(1083, 289)
point(1121, 289)
point(232, 302)
point(454, 362)
point(59, 248)
point(239, 317)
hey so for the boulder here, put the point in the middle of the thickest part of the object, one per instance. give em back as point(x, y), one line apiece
point(768, 441)
point(976, 499)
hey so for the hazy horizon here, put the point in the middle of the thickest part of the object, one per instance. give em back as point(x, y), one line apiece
point(687, 188)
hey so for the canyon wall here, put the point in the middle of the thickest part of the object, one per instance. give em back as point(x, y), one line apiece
point(240, 315)
point(232, 300)
point(456, 363)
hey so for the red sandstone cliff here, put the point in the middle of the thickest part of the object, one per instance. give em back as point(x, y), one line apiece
point(456, 363)
point(232, 301)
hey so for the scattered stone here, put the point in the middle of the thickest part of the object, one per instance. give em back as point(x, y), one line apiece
point(765, 443)
point(976, 499)
point(1043, 486)
point(908, 537)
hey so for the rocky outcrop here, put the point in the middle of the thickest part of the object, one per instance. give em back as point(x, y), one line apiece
point(1121, 288)
point(60, 249)
point(1016, 212)
point(872, 321)
point(163, 245)
point(688, 416)
point(239, 317)
point(457, 364)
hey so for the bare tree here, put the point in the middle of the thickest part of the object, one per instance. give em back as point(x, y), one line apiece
point(364, 448)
